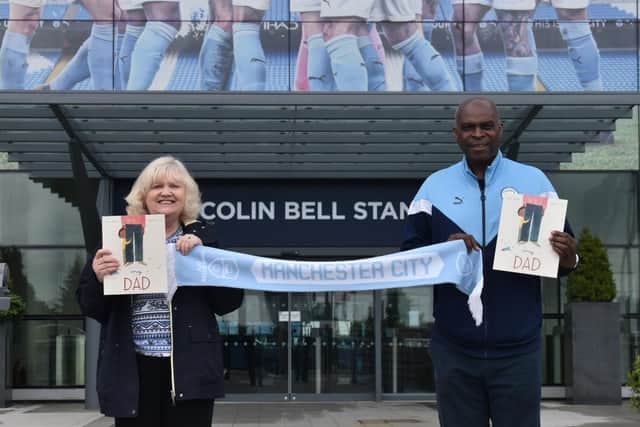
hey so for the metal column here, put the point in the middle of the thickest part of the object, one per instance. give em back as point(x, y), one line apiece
point(92, 327)
point(378, 313)
point(87, 200)
point(511, 147)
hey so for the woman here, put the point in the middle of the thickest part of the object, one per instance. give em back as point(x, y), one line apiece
point(160, 362)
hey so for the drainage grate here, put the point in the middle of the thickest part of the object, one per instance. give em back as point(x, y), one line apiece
point(389, 421)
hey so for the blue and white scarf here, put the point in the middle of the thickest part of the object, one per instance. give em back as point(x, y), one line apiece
point(444, 263)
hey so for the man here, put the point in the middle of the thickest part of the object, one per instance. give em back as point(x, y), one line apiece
point(514, 21)
point(345, 19)
point(531, 214)
point(131, 233)
point(491, 372)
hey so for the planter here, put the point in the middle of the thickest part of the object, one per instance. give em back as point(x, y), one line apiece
point(592, 353)
point(5, 351)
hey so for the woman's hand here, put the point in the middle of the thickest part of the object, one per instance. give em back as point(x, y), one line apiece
point(104, 263)
point(187, 242)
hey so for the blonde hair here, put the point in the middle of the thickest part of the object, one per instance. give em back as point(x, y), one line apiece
point(163, 167)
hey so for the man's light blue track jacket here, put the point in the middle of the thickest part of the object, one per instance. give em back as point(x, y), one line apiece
point(453, 200)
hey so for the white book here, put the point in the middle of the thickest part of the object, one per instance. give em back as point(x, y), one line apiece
point(526, 223)
point(138, 242)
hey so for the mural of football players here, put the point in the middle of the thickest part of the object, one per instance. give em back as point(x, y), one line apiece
point(248, 53)
point(397, 18)
point(425, 14)
point(514, 22)
point(161, 27)
point(313, 66)
point(216, 53)
point(236, 28)
point(234, 38)
point(93, 59)
point(574, 26)
point(134, 19)
point(77, 69)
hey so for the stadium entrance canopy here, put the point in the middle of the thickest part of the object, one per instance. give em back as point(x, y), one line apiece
point(286, 135)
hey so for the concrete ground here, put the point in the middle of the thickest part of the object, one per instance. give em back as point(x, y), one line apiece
point(348, 414)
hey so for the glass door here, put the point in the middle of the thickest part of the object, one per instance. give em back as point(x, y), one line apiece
point(407, 321)
point(290, 346)
point(333, 351)
point(323, 345)
point(256, 346)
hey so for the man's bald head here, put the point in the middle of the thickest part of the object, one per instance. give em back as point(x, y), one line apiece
point(478, 132)
point(486, 102)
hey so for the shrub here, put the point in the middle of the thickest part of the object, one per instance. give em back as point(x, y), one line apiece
point(593, 280)
point(16, 308)
point(633, 380)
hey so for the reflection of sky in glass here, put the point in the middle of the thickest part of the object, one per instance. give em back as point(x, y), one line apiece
point(51, 220)
point(46, 271)
point(624, 264)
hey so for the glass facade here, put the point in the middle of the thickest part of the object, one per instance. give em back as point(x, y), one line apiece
point(295, 345)
point(277, 45)
point(256, 345)
point(406, 330)
point(32, 215)
point(48, 353)
point(333, 342)
point(41, 241)
point(619, 151)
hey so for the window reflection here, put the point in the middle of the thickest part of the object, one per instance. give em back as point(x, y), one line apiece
point(624, 263)
point(32, 214)
point(47, 353)
point(630, 344)
point(333, 342)
point(45, 278)
point(255, 345)
point(406, 334)
point(552, 351)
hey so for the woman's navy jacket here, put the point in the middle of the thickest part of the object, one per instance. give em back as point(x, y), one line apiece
point(197, 345)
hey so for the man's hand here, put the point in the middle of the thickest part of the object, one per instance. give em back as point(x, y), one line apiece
point(469, 241)
point(565, 245)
